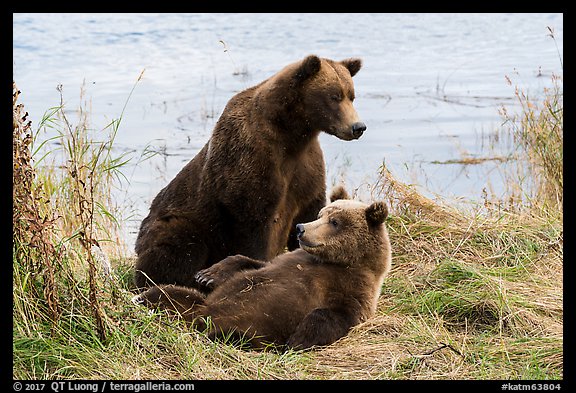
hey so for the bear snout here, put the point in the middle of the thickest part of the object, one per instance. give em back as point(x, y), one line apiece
point(358, 129)
point(299, 230)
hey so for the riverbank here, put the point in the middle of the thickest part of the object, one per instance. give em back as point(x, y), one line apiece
point(474, 293)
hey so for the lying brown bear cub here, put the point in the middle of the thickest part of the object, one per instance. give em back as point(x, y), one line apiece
point(307, 297)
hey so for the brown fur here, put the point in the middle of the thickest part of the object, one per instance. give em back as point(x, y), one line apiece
point(261, 172)
point(307, 297)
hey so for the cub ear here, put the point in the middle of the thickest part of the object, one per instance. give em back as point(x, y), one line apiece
point(376, 213)
point(339, 192)
point(307, 68)
point(353, 65)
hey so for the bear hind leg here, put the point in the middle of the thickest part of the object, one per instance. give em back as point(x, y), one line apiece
point(322, 326)
point(177, 300)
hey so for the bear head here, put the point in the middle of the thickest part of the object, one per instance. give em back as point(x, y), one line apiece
point(317, 94)
point(348, 233)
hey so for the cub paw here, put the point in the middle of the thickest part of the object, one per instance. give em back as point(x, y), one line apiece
point(213, 276)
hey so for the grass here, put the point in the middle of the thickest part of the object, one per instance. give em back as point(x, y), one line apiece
point(473, 294)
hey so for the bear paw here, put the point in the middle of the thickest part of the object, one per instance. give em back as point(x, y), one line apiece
point(213, 276)
point(216, 274)
point(138, 300)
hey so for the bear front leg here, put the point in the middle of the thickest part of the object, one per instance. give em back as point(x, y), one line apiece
point(216, 274)
point(178, 301)
point(322, 326)
point(169, 252)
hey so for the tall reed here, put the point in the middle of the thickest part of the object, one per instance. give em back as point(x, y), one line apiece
point(63, 217)
point(538, 130)
point(36, 251)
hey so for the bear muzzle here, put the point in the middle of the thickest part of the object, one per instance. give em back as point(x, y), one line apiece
point(358, 129)
point(305, 243)
point(349, 133)
point(300, 230)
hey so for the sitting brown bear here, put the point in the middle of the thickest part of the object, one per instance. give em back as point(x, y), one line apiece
point(261, 173)
point(307, 297)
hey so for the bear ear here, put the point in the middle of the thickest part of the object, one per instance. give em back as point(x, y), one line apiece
point(307, 68)
point(339, 192)
point(376, 213)
point(353, 65)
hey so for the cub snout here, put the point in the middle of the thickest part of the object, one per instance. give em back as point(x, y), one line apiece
point(300, 230)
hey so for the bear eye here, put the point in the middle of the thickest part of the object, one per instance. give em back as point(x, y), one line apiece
point(336, 97)
point(334, 222)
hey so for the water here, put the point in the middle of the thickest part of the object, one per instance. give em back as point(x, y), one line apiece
point(429, 90)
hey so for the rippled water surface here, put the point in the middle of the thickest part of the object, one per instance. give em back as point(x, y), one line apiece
point(429, 90)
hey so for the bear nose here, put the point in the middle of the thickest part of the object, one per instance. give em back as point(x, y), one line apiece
point(358, 129)
point(299, 230)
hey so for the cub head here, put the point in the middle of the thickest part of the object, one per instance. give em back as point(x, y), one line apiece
point(347, 232)
point(319, 93)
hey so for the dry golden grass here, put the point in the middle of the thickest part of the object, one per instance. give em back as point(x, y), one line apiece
point(467, 298)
